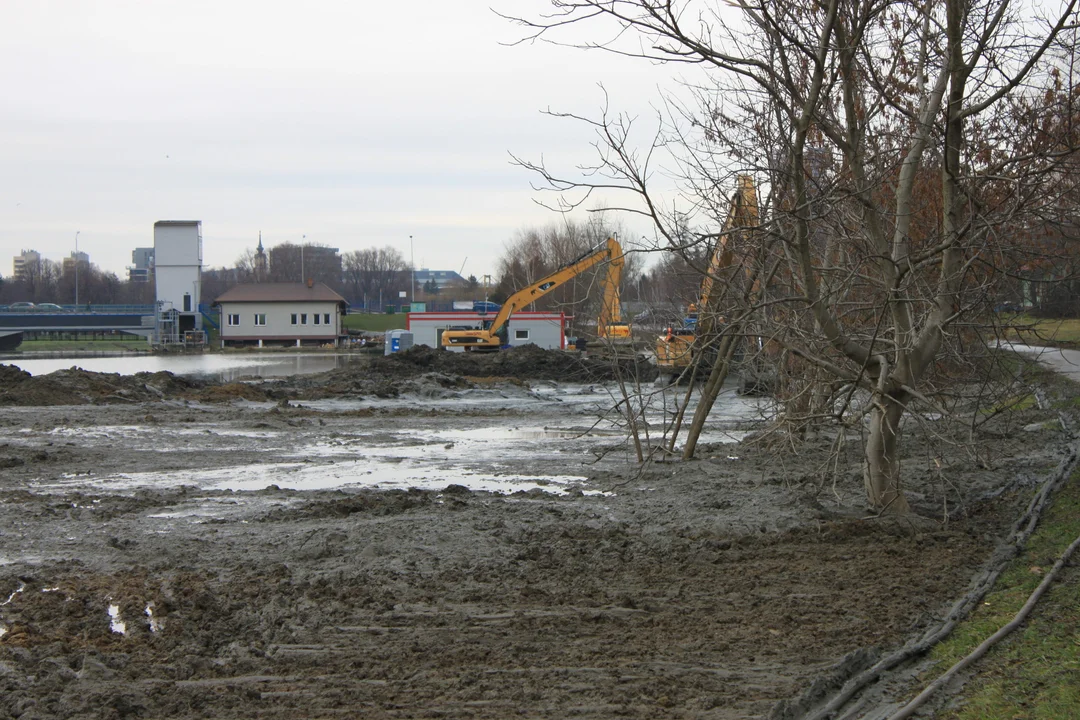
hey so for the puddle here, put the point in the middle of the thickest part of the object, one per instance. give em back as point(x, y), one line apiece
point(515, 454)
point(22, 586)
point(115, 623)
point(376, 474)
point(488, 434)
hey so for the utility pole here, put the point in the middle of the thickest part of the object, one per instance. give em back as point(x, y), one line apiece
point(412, 283)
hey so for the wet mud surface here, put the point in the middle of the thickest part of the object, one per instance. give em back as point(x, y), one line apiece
point(294, 550)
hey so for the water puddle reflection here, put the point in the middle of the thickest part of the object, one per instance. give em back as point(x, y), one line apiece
point(369, 473)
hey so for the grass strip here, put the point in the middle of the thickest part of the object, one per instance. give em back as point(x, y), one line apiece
point(373, 322)
point(1035, 672)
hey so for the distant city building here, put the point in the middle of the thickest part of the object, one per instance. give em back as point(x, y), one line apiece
point(142, 268)
point(442, 278)
point(23, 263)
point(68, 265)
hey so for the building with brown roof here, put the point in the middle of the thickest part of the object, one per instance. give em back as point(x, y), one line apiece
point(281, 314)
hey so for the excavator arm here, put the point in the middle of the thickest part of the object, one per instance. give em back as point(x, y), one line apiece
point(609, 325)
point(743, 213)
point(490, 337)
point(674, 350)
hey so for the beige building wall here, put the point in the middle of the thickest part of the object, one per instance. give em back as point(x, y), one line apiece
point(279, 320)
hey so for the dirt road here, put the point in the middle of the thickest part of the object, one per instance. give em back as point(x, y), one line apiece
point(272, 552)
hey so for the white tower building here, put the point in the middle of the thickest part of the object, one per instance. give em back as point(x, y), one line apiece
point(178, 257)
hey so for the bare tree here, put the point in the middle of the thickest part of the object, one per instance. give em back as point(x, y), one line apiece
point(310, 261)
point(246, 266)
point(374, 274)
point(887, 137)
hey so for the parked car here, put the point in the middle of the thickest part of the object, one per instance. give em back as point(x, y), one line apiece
point(21, 306)
point(48, 307)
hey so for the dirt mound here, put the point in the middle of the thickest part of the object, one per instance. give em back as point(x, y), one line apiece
point(11, 375)
point(75, 386)
point(525, 362)
point(420, 370)
point(230, 392)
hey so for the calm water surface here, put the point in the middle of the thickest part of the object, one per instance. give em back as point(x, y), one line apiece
point(225, 367)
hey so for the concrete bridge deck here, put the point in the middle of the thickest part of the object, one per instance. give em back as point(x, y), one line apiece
point(134, 321)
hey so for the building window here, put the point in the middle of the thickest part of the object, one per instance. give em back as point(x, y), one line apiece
point(303, 318)
point(260, 319)
point(315, 319)
point(521, 334)
point(292, 318)
point(234, 320)
point(326, 318)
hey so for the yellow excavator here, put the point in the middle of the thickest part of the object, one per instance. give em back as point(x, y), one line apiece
point(609, 325)
point(675, 350)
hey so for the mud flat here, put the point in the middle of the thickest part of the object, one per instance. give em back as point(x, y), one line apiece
point(404, 538)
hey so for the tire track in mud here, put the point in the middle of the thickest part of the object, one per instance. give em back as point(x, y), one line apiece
point(444, 612)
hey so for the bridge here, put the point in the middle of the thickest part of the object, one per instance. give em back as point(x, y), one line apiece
point(129, 319)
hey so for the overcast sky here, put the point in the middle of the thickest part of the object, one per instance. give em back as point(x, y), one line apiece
point(356, 124)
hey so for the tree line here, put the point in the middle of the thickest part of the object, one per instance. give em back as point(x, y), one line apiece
point(49, 281)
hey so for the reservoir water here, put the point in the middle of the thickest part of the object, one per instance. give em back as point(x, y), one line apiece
point(226, 367)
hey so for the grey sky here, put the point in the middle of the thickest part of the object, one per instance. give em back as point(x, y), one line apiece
point(353, 123)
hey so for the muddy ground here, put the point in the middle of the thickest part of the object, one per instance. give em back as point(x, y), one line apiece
point(176, 548)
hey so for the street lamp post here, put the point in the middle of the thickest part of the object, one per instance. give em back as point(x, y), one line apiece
point(412, 283)
point(77, 268)
point(303, 239)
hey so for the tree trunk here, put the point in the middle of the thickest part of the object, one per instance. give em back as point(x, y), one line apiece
point(882, 471)
point(710, 390)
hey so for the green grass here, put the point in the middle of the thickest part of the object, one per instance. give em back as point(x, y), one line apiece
point(375, 322)
point(1014, 403)
point(84, 345)
point(1035, 672)
point(1065, 333)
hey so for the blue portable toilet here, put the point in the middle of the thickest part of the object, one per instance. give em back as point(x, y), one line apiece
point(397, 340)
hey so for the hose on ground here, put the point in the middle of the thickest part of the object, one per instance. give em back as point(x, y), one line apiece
point(911, 707)
point(1021, 531)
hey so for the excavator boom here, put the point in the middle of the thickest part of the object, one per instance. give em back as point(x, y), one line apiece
point(490, 338)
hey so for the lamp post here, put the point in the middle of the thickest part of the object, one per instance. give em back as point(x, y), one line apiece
point(412, 283)
point(77, 268)
point(303, 239)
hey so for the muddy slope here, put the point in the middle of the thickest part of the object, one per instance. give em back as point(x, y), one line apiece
point(709, 589)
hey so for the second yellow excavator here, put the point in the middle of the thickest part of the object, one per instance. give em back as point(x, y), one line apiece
point(676, 349)
point(609, 324)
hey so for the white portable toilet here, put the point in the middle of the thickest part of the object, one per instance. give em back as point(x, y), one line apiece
point(397, 340)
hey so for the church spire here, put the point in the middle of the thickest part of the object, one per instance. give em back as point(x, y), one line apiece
point(260, 265)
